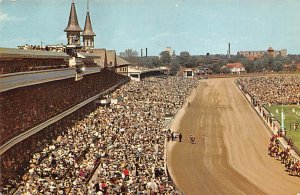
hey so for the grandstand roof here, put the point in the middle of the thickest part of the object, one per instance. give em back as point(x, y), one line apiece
point(122, 61)
point(111, 58)
point(89, 55)
point(103, 58)
point(20, 53)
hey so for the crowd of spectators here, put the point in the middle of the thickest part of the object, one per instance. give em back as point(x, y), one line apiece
point(272, 90)
point(23, 110)
point(54, 48)
point(125, 140)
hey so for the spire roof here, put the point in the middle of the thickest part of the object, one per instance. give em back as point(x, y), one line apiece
point(88, 30)
point(73, 24)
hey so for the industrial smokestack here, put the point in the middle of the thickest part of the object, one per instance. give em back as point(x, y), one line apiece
point(141, 53)
point(228, 50)
point(146, 52)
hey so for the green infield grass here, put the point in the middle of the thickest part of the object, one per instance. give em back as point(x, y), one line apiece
point(292, 116)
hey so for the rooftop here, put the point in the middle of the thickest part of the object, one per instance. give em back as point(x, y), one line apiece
point(21, 53)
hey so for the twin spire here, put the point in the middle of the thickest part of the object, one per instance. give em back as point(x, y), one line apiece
point(73, 29)
point(88, 30)
point(73, 24)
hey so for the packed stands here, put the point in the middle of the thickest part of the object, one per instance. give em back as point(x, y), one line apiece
point(29, 106)
point(126, 140)
point(273, 90)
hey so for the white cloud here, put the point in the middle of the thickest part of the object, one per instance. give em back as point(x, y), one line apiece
point(6, 17)
point(161, 35)
point(3, 16)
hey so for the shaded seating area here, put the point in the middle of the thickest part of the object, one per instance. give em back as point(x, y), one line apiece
point(19, 60)
point(29, 106)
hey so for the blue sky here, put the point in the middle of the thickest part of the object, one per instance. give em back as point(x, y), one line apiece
point(197, 26)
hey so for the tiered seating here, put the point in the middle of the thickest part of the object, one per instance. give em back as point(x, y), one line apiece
point(29, 106)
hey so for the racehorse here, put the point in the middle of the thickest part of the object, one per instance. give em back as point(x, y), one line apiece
point(284, 155)
point(273, 150)
point(294, 170)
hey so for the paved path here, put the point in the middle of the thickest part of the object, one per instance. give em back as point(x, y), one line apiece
point(233, 158)
point(31, 78)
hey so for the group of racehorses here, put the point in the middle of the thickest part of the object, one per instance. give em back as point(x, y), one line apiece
point(292, 165)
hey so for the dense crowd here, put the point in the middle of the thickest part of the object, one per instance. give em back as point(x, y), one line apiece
point(125, 139)
point(49, 100)
point(273, 90)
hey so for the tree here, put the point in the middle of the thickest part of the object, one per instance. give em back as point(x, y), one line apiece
point(129, 53)
point(149, 62)
point(225, 70)
point(248, 65)
point(207, 59)
point(216, 68)
point(174, 65)
point(192, 62)
point(259, 65)
point(165, 57)
point(184, 58)
point(131, 56)
point(277, 65)
point(293, 67)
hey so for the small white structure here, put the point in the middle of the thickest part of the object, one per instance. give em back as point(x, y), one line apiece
point(188, 73)
point(138, 73)
point(236, 68)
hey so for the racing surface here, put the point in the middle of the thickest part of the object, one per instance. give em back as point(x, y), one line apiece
point(233, 157)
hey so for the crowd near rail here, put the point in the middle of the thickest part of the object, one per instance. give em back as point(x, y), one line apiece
point(272, 90)
point(116, 149)
point(275, 90)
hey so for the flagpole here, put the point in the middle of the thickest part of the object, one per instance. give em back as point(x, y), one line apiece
point(282, 116)
point(282, 122)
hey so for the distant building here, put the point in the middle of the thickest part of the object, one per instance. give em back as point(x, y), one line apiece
point(139, 73)
point(236, 68)
point(122, 66)
point(188, 72)
point(169, 50)
point(259, 54)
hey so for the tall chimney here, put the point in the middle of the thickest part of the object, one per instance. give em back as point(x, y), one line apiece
point(228, 50)
point(141, 53)
point(146, 52)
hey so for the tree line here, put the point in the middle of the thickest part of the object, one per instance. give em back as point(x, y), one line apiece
point(214, 62)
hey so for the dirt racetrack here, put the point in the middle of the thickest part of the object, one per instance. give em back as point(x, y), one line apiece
point(233, 158)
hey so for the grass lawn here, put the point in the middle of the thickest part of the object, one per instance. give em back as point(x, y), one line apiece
point(290, 118)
